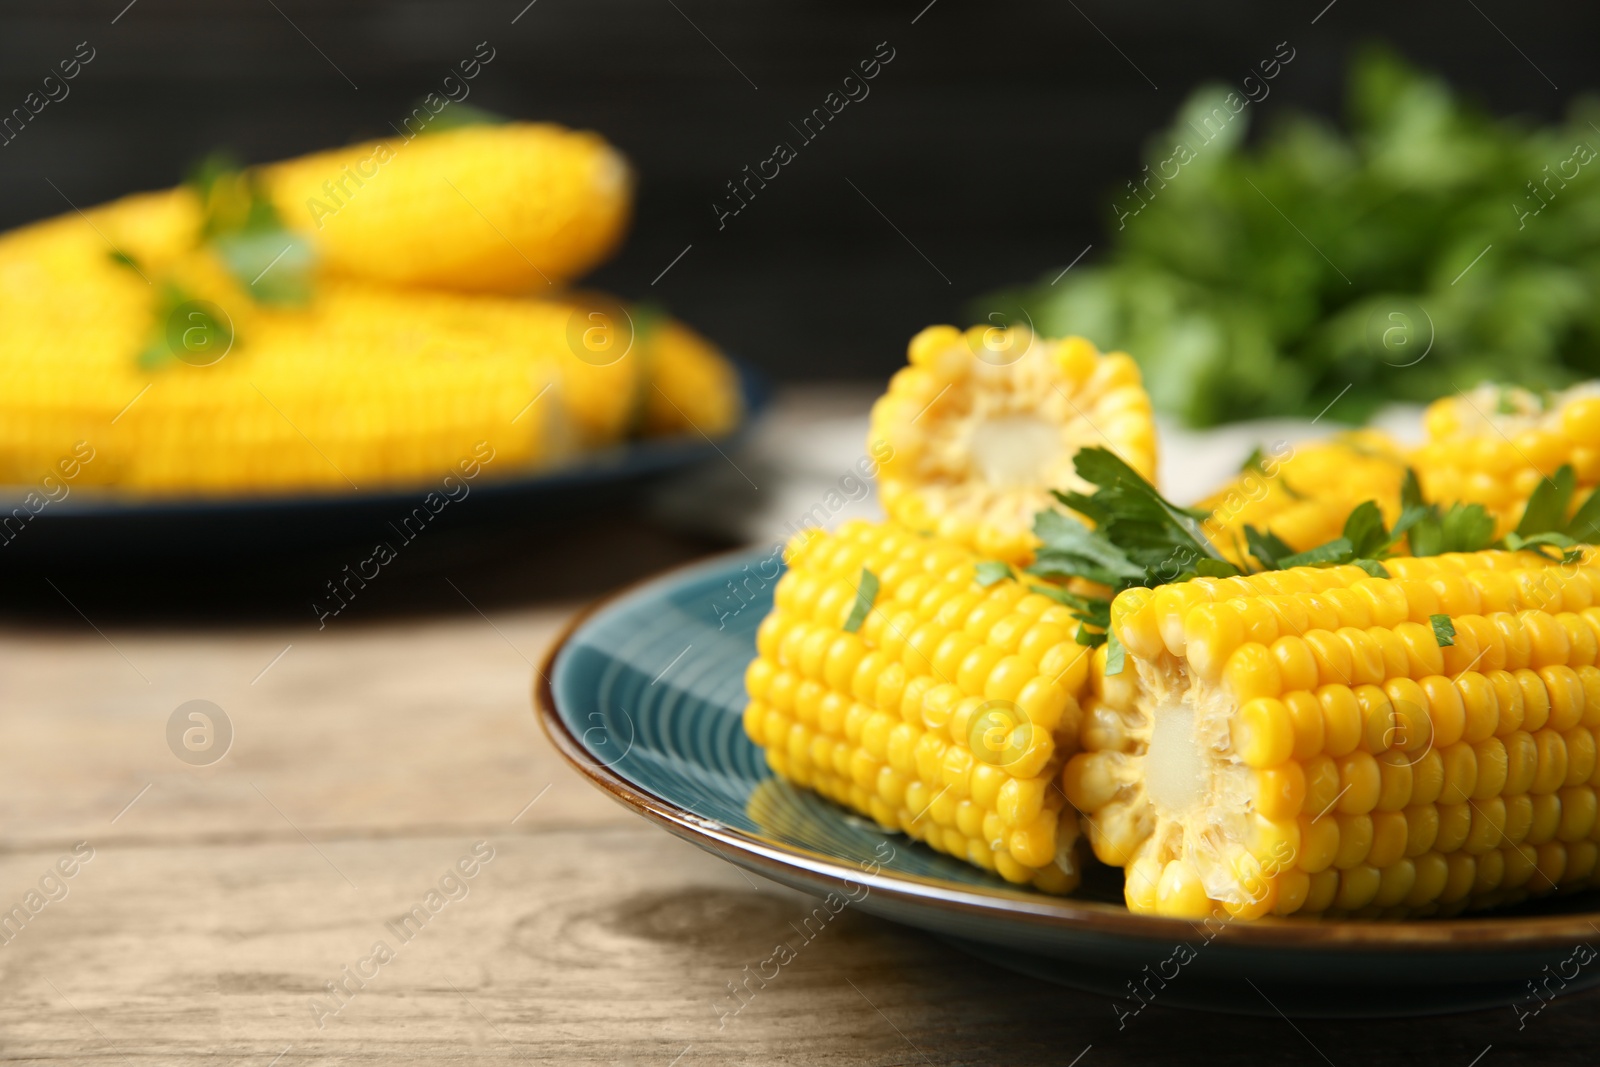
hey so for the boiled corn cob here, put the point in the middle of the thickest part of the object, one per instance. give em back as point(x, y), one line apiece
point(493, 208)
point(503, 209)
point(363, 386)
point(945, 716)
point(1303, 493)
point(1494, 445)
point(1297, 742)
point(362, 389)
point(981, 426)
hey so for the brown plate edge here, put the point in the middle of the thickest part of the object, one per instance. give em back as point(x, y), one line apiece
point(1441, 936)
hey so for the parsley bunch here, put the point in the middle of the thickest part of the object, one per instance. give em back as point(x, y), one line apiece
point(1141, 539)
point(1308, 262)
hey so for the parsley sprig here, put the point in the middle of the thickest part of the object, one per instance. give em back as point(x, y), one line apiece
point(1141, 539)
point(241, 224)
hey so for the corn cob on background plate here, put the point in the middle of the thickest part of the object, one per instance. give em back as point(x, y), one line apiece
point(103, 523)
point(644, 695)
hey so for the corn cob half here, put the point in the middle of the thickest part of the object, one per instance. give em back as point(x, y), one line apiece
point(938, 706)
point(981, 426)
point(1304, 493)
point(1494, 445)
point(1298, 742)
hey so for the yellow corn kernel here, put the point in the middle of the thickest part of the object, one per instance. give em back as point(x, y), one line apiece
point(1263, 733)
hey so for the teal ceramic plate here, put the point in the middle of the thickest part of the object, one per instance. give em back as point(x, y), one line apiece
point(644, 694)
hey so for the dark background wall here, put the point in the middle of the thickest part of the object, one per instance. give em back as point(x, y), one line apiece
point(990, 142)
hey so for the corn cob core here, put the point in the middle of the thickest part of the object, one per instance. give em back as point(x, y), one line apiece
point(1493, 445)
point(946, 716)
point(504, 209)
point(981, 426)
point(1303, 493)
point(1296, 742)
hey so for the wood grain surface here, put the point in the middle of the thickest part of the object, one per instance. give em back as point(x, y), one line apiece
point(367, 762)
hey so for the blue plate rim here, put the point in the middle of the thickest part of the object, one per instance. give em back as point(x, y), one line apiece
point(807, 869)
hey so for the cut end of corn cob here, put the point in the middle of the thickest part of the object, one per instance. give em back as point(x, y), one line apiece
point(1493, 445)
point(1304, 493)
point(981, 426)
point(1297, 742)
point(946, 715)
point(507, 208)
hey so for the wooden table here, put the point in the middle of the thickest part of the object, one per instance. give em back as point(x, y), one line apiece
point(368, 759)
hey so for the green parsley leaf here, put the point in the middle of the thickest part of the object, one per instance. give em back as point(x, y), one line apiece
point(214, 182)
point(1547, 504)
point(268, 260)
point(1516, 542)
point(456, 116)
point(273, 265)
point(1116, 656)
point(1585, 525)
point(1444, 631)
point(1070, 549)
point(991, 571)
point(1372, 567)
point(1430, 532)
point(197, 330)
point(1139, 537)
point(1410, 515)
point(1411, 492)
point(866, 593)
point(1365, 531)
point(1339, 550)
point(1467, 528)
point(1544, 544)
point(648, 317)
point(1266, 546)
point(1138, 499)
point(1256, 462)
